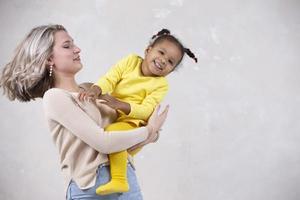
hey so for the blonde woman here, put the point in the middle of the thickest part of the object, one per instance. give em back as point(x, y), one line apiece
point(44, 65)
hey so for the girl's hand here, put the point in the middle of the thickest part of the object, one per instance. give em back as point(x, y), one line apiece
point(85, 86)
point(110, 101)
point(107, 111)
point(90, 94)
point(115, 103)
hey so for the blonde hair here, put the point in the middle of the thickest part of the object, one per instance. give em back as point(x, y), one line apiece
point(26, 76)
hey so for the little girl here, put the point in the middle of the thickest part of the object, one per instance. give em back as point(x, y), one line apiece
point(136, 86)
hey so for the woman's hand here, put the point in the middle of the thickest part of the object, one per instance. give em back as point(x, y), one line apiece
point(140, 145)
point(156, 120)
point(155, 123)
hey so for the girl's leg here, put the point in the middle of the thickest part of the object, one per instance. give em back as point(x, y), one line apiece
point(118, 166)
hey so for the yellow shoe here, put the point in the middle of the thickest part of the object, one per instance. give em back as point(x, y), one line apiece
point(114, 186)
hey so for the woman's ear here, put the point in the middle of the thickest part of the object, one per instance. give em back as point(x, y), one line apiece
point(50, 61)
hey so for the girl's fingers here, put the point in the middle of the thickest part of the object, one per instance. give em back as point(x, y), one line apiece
point(101, 101)
point(104, 97)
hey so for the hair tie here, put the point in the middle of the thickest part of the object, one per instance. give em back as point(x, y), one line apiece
point(162, 32)
point(190, 54)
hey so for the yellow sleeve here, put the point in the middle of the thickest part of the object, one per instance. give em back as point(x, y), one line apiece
point(108, 82)
point(145, 109)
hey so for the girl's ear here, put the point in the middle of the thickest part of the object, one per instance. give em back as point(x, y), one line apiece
point(147, 50)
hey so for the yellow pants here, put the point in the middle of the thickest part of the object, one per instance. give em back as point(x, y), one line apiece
point(118, 164)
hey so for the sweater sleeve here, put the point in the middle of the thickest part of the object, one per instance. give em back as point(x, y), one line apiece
point(145, 109)
point(108, 82)
point(60, 107)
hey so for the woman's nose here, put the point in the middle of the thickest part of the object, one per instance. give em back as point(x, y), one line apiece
point(77, 49)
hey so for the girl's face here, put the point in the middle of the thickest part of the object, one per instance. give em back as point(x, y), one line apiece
point(65, 58)
point(161, 59)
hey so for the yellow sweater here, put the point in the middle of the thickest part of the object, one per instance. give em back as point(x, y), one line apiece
point(126, 82)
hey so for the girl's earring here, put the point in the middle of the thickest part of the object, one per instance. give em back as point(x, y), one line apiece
point(51, 70)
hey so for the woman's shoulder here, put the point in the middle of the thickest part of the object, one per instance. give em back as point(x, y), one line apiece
point(56, 96)
point(55, 92)
point(56, 100)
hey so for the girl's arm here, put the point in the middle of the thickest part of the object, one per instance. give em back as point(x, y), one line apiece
point(115, 103)
point(145, 108)
point(110, 114)
point(138, 111)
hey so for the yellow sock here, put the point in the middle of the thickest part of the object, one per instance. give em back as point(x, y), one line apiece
point(118, 170)
point(118, 166)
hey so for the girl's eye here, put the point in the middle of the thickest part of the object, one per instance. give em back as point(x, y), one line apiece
point(66, 47)
point(170, 61)
point(161, 52)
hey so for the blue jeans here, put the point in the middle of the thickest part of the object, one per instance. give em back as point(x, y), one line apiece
point(103, 176)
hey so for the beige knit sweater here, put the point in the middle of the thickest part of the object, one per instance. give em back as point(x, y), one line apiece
point(77, 131)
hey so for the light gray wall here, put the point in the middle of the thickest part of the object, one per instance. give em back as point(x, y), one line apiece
point(233, 127)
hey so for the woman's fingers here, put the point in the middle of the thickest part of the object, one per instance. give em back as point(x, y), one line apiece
point(136, 146)
point(156, 138)
point(164, 114)
point(166, 109)
point(156, 110)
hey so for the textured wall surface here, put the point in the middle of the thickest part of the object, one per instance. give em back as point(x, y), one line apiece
point(233, 128)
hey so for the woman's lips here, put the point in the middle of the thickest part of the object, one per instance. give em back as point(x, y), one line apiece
point(77, 59)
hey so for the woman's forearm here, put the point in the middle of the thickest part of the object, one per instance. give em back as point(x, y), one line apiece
point(60, 107)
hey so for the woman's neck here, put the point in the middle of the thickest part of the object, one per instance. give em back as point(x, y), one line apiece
point(66, 83)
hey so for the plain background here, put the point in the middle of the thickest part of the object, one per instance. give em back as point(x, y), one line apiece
point(233, 128)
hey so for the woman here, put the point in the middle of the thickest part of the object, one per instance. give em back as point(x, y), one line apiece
point(45, 65)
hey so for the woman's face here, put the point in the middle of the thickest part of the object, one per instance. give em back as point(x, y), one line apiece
point(65, 58)
point(161, 59)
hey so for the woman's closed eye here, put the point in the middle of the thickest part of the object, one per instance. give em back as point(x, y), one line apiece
point(68, 44)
